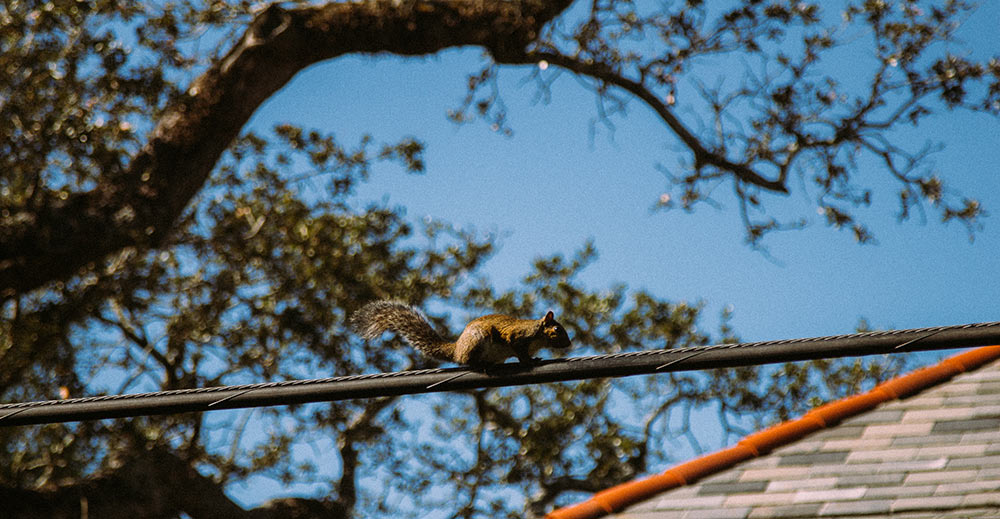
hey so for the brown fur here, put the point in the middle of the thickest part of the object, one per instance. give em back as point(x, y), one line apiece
point(490, 339)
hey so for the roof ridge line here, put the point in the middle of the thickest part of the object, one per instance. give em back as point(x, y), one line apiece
point(762, 442)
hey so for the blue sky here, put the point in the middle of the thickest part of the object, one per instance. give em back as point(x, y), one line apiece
point(555, 184)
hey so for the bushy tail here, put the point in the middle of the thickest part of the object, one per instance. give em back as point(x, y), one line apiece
point(378, 316)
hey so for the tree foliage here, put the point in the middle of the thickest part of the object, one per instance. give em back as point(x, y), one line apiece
point(784, 116)
point(148, 242)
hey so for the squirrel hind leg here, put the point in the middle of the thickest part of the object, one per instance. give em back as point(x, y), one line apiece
point(480, 367)
point(474, 348)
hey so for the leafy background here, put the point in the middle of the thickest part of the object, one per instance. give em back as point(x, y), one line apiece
point(354, 182)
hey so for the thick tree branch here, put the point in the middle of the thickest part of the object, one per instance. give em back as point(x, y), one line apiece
point(155, 483)
point(54, 240)
point(360, 429)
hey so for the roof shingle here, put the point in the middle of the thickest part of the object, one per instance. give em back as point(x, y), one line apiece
point(933, 453)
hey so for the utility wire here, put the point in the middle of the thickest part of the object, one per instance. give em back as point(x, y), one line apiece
point(512, 374)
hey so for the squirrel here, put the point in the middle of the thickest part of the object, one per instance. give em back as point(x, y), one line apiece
point(486, 340)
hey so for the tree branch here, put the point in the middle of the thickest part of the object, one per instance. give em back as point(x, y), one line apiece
point(153, 483)
point(702, 155)
point(57, 238)
point(357, 431)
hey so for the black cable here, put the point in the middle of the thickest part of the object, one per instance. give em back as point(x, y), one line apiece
point(434, 380)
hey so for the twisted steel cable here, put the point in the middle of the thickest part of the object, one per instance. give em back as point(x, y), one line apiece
point(435, 380)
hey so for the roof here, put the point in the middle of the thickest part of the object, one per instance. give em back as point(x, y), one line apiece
point(925, 444)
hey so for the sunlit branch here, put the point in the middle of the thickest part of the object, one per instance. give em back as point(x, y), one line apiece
point(702, 155)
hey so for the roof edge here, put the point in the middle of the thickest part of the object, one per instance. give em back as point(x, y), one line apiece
point(763, 442)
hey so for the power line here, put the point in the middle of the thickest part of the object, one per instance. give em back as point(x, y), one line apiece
point(436, 380)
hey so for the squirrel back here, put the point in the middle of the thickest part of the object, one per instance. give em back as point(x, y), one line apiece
point(490, 339)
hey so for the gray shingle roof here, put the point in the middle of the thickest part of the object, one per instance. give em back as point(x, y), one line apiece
point(935, 454)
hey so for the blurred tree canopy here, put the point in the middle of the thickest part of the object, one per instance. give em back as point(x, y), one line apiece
point(147, 241)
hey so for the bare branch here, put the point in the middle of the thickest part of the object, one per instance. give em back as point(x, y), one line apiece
point(702, 155)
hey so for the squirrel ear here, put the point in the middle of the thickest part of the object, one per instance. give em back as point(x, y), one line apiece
point(549, 317)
